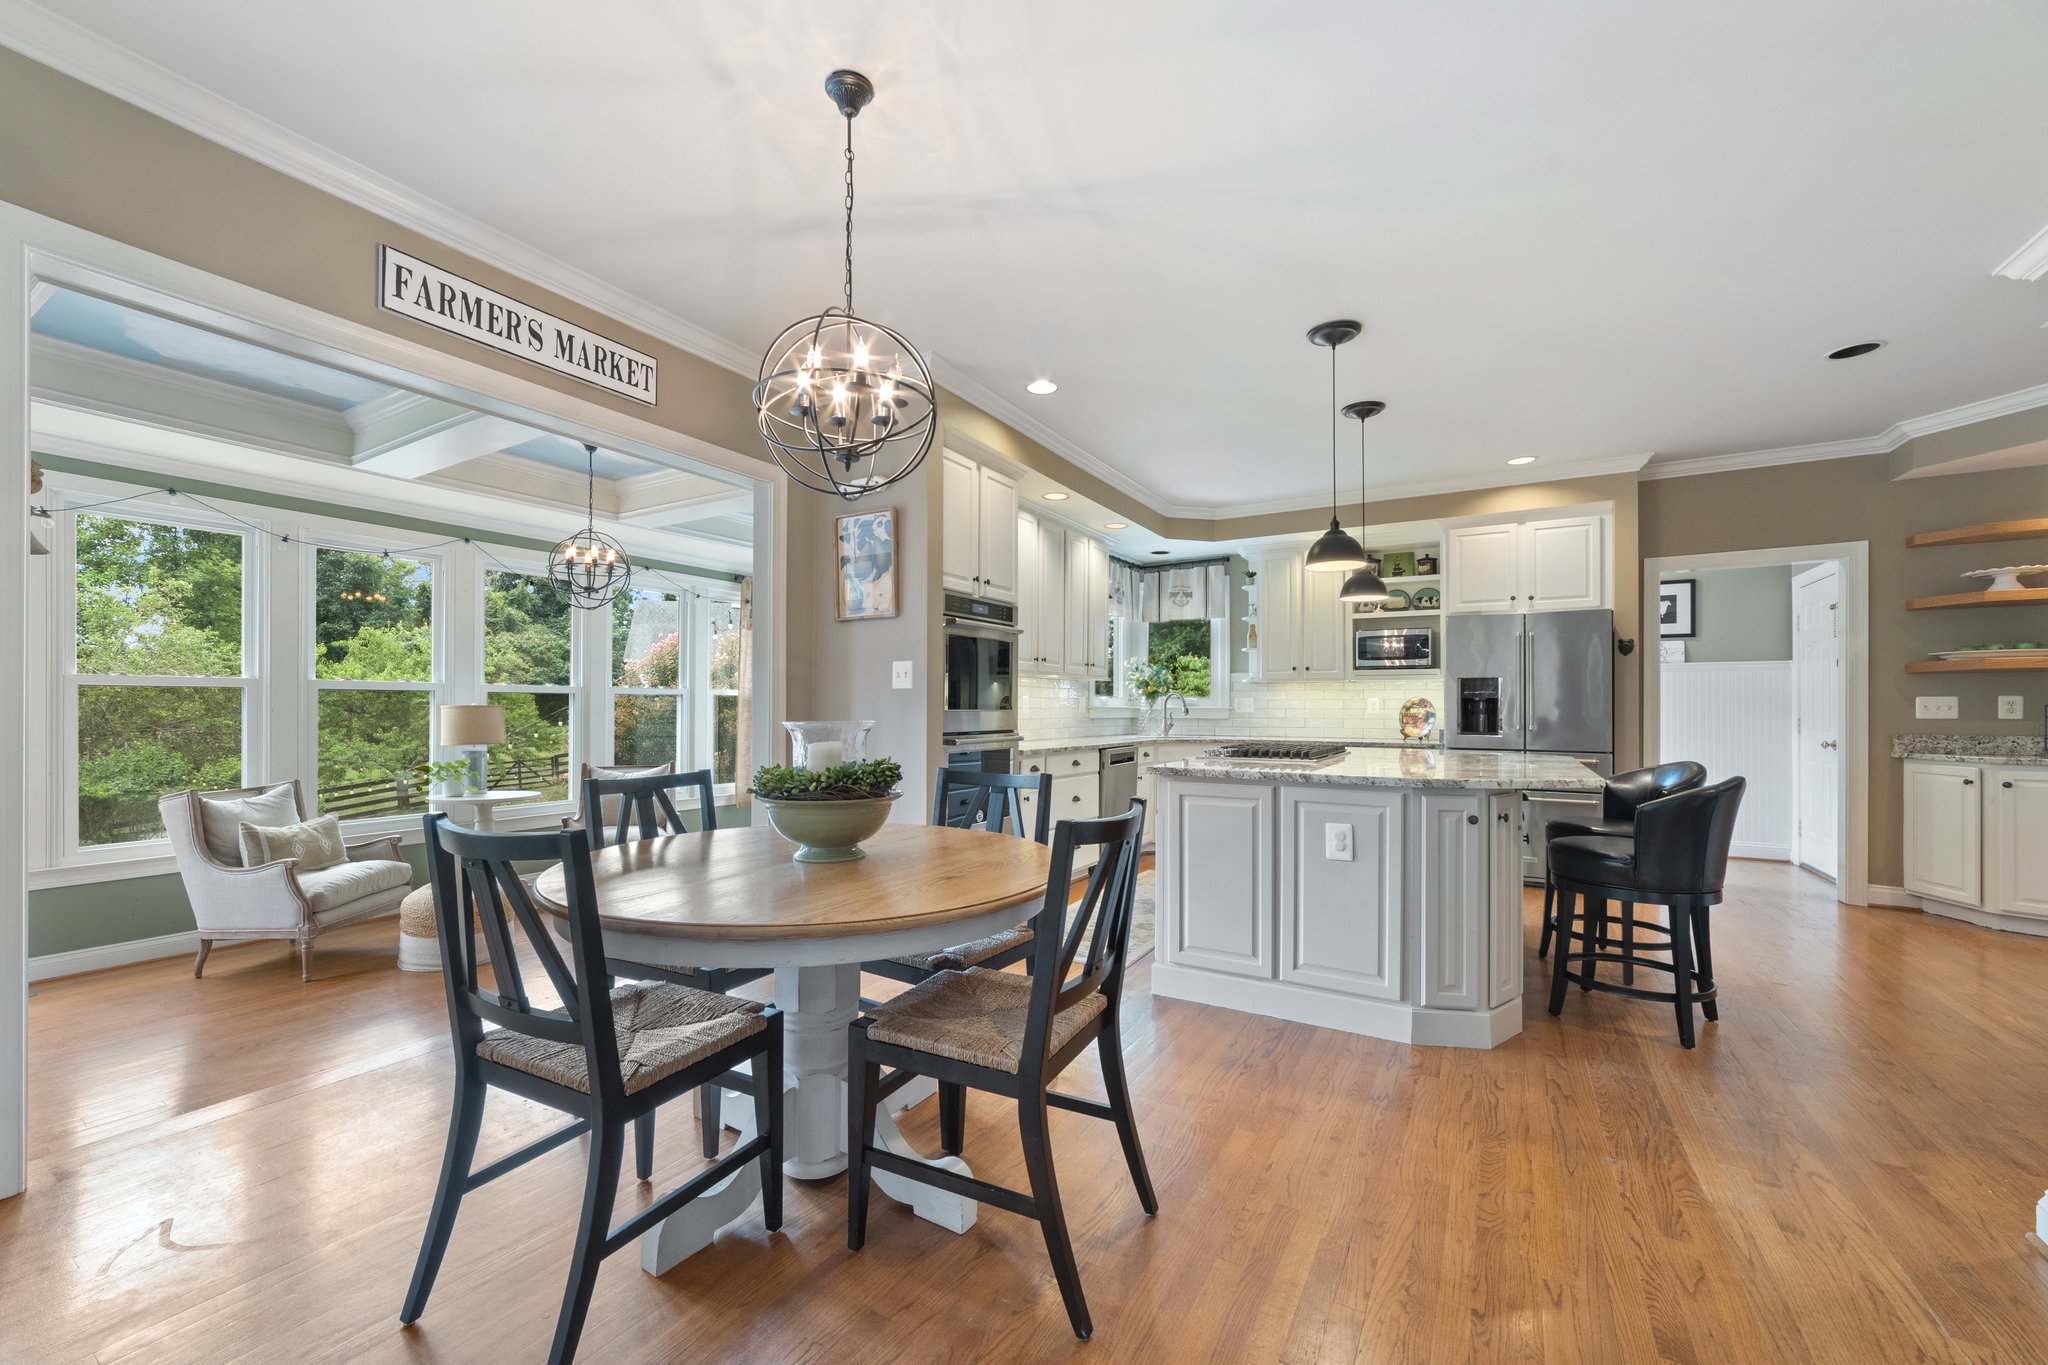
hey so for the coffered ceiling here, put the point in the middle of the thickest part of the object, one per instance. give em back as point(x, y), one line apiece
point(1593, 231)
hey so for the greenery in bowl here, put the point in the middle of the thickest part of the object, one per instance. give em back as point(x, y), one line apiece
point(868, 781)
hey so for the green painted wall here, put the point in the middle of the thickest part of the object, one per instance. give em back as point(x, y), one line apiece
point(1743, 615)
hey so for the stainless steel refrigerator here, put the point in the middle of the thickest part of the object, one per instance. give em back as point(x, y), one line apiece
point(1537, 683)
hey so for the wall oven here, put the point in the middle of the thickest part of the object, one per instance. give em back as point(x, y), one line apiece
point(1409, 647)
point(981, 680)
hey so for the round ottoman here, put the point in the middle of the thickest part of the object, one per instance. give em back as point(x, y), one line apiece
point(419, 944)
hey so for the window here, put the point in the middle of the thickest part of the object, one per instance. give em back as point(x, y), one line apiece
point(650, 704)
point(1202, 640)
point(529, 636)
point(157, 686)
point(723, 683)
point(373, 672)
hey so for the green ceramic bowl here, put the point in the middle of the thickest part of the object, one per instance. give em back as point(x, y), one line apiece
point(828, 831)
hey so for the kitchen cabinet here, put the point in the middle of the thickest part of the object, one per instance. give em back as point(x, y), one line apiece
point(1087, 608)
point(1043, 646)
point(1302, 634)
point(1216, 883)
point(1076, 791)
point(1450, 879)
point(1064, 601)
point(2016, 841)
point(1944, 831)
point(1504, 954)
point(1340, 917)
point(1030, 595)
point(979, 551)
point(1551, 564)
point(1150, 755)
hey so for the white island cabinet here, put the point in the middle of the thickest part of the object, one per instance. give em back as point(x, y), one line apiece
point(1381, 894)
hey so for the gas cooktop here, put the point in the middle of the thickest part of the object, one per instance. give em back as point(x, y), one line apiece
point(1277, 753)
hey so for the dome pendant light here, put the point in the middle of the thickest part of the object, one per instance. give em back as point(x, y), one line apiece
point(1334, 551)
point(1363, 585)
point(847, 405)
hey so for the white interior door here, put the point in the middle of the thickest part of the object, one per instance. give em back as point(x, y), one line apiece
point(1817, 693)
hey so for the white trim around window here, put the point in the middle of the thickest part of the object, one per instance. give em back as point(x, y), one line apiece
point(1122, 703)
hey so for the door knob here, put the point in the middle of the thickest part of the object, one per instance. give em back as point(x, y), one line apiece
point(1471, 819)
point(1077, 800)
point(1828, 744)
point(2006, 785)
point(1969, 782)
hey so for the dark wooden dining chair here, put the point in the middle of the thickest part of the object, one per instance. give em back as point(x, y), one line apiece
point(606, 1054)
point(643, 808)
point(1012, 1035)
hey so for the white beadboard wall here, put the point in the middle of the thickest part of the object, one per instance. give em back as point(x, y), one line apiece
point(1737, 719)
point(1057, 708)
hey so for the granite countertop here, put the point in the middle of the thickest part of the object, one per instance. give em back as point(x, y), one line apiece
point(1476, 770)
point(1044, 746)
point(2013, 750)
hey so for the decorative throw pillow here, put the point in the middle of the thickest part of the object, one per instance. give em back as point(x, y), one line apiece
point(222, 818)
point(316, 843)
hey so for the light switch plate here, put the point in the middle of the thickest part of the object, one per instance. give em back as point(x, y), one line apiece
point(1372, 706)
point(1244, 706)
point(899, 675)
point(2012, 708)
point(1337, 846)
point(1934, 708)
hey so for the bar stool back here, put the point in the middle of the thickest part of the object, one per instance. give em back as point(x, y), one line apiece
point(1620, 799)
point(1678, 858)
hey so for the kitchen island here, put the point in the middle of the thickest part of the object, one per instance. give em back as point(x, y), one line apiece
point(1380, 893)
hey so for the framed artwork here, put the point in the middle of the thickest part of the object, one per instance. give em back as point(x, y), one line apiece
point(1675, 615)
point(1398, 564)
point(865, 545)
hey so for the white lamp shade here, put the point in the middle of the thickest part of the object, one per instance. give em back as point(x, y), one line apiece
point(465, 725)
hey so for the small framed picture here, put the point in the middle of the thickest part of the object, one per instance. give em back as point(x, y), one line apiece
point(865, 559)
point(1676, 619)
point(1398, 564)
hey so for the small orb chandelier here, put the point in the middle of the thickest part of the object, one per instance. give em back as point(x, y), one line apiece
point(1363, 585)
point(847, 405)
point(591, 565)
point(1334, 551)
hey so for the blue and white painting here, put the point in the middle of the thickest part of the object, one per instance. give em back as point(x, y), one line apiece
point(867, 565)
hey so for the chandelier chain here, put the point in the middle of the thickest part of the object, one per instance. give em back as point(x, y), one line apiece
point(849, 215)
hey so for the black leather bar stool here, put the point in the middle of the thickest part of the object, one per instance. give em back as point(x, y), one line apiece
point(1678, 858)
point(1623, 795)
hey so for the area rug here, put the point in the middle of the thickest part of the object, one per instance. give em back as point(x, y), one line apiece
point(1142, 916)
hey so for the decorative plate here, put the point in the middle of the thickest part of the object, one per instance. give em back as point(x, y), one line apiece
point(1397, 600)
point(1428, 599)
point(2008, 578)
point(1418, 717)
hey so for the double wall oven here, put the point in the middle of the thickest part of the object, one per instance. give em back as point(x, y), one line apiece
point(980, 719)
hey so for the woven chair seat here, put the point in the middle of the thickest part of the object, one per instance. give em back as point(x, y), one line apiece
point(975, 1017)
point(661, 1029)
point(960, 958)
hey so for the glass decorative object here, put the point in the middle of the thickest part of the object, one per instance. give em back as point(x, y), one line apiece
point(819, 744)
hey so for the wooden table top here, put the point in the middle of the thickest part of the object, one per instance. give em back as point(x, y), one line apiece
point(742, 884)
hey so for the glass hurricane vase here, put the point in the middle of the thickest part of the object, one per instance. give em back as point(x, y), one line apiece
point(815, 745)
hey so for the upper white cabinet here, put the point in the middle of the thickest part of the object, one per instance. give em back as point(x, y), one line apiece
point(979, 555)
point(1087, 608)
point(1301, 622)
point(1063, 600)
point(1555, 564)
point(1030, 592)
point(1944, 831)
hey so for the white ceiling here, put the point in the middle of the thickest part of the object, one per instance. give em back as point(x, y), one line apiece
point(1584, 231)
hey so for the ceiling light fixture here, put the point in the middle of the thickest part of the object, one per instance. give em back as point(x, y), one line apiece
point(1054, 497)
point(1523, 459)
point(1334, 551)
point(1041, 386)
point(1116, 526)
point(847, 405)
point(1851, 352)
point(591, 565)
point(1362, 585)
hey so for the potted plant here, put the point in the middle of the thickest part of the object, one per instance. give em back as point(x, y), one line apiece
point(1168, 682)
point(827, 812)
point(446, 777)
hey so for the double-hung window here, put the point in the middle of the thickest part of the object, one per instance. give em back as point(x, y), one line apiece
point(650, 695)
point(158, 687)
point(372, 680)
point(531, 626)
point(720, 718)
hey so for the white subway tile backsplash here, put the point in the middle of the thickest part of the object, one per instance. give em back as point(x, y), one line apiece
point(1057, 708)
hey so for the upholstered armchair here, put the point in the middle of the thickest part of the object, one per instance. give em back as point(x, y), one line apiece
point(276, 899)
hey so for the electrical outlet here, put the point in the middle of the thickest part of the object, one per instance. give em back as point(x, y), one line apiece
point(899, 675)
point(2012, 708)
point(1243, 706)
point(1934, 708)
point(1372, 706)
point(1337, 843)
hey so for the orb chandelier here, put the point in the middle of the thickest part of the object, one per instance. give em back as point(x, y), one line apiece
point(847, 405)
point(1334, 551)
point(591, 565)
point(1363, 585)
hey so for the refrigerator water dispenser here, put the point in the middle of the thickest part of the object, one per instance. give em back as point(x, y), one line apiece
point(1479, 706)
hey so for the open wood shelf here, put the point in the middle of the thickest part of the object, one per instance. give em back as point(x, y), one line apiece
point(1978, 666)
point(1978, 599)
point(2033, 528)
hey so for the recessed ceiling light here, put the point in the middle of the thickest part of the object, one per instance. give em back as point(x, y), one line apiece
point(1851, 352)
point(1054, 497)
point(1041, 386)
point(1523, 459)
point(1116, 526)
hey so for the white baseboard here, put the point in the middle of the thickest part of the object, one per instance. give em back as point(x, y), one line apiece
point(1770, 853)
point(1391, 1020)
point(1897, 896)
point(51, 965)
point(1988, 919)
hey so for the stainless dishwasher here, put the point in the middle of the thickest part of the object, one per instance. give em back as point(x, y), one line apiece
point(1119, 779)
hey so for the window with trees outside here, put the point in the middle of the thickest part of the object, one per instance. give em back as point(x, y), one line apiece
point(158, 685)
point(529, 639)
point(1201, 641)
point(373, 674)
point(723, 682)
point(650, 704)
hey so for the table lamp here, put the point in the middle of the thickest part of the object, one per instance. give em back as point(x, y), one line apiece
point(472, 728)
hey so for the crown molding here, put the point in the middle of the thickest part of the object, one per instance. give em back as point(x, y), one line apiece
point(1884, 443)
point(1557, 473)
point(2030, 262)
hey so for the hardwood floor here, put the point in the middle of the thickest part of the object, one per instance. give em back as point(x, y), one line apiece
point(238, 1169)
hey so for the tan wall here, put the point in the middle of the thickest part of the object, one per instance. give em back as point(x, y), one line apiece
point(1851, 500)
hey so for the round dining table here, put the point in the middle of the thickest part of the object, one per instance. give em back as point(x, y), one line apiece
point(737, 898)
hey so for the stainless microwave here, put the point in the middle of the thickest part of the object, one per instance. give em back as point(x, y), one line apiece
point(1413, 647)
